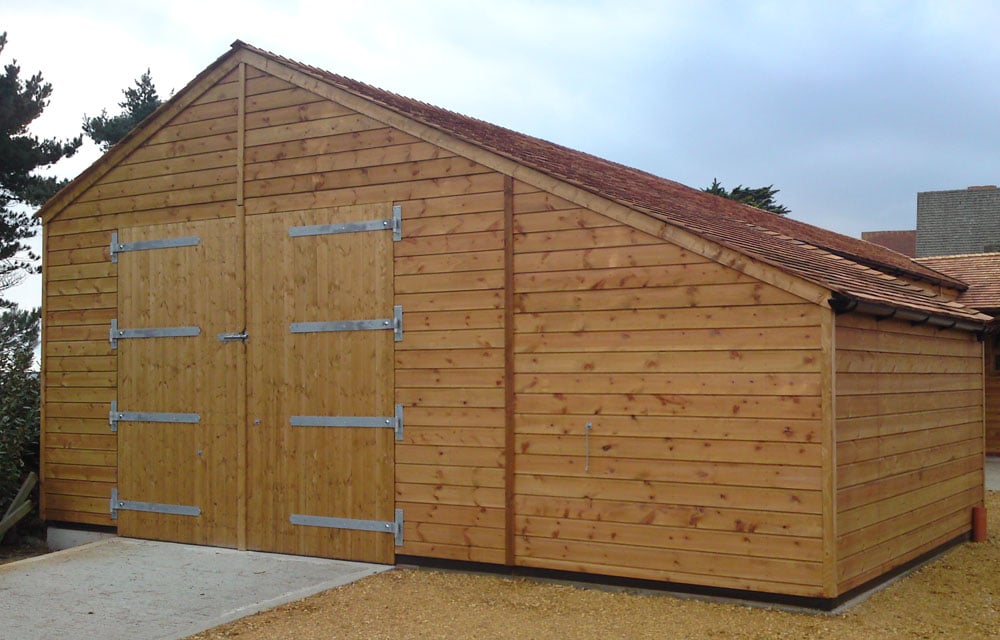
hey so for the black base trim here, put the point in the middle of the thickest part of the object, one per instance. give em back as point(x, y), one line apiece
point(803, 602)
point(78, 526)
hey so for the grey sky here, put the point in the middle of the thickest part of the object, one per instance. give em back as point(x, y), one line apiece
point(850, 108)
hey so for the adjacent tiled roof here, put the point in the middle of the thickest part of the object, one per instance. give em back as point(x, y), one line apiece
point(980, 270)
point(904, 242)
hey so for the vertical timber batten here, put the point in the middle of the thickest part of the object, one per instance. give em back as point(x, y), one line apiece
point(508, 359)
point(828, 392)
point(241, 310)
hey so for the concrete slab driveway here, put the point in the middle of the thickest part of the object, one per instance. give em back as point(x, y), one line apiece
point(140, 590)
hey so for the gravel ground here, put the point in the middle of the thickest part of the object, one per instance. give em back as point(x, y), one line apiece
point(956, 596)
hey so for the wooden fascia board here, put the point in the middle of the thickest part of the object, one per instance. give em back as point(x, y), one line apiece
point(136, 138)
point(614, 210)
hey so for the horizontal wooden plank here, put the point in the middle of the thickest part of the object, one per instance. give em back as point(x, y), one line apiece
point(81, 394)
point(686, 275)
point(450, 301)
point(650, 572)
point(446, 417)
point(450, 378)
point(873, 448)
point(88, 504)
point(188, 163)
point(677, 562)
point(165, 215)
point(649, 252)
point(81, 332)
point(786, 315)
point(81, 378)
point(315, 128)
point(78, 256)
point(451, 205)
point(673, 340)
point(324, 146)
point(872, 513)
point(451, 320)
point(80, 517)
point(722, 496)
point(457, 281)
point(453, 475)
point(455, 223)
point(460, 243)
point(449, 358)
point(572, 462)
point(707, 296)
point(901, 363)
point(76, 241)
point(686, 538)
point(788, 407)
point(878, 425)
point(672, 449)
point(86, 363)
point(724, 428)
point(450, 340)
point(106, 441)
point(173, 181)
point(888, 342)
point(81, 302)
point(849, 475)
point(292, 164)
point(454, 515)
point(448, 263)
point(879, 383)
point(487, 437)
point(101, 347)
point(394, 192)
point(225, 142)
point(95, 410)
point(796, 525)
point(764, 384)
point(442, 494)
point(93, 316)
point(889, 404)
point(308, 110)
point(75, 287)
point(487, 457)
point(87, 473)
point(581, 239)
point(91, 457)
point(478, 537)
point(463, 552)
point(734, 360)
point(82, 271)
point(98, 426)
point(91, 489)
point(215, 193)
point(571, 218)
point(851, 497)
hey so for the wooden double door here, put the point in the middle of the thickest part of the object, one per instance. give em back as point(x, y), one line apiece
point(255, 394)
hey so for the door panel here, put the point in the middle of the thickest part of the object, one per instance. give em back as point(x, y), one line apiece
point(170, 463)
point(330, 472)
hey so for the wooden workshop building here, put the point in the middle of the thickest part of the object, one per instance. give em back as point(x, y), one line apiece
point(292, 312)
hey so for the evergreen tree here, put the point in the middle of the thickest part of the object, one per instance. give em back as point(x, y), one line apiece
point(761, 197)
point(19, 401)
point(140, 101)
point(21, 102)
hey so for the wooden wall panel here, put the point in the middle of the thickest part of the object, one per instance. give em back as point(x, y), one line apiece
point(186, 171)
point(909, 441)
point(993, 395)
point(702, 387)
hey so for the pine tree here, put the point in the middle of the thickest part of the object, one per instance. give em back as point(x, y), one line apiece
point(761, 197)
point(21, 154)
point(140, 101)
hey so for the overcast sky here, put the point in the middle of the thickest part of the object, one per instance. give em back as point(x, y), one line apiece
point(849, 108)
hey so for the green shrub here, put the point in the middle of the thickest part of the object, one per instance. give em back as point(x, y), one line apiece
point(19, 401)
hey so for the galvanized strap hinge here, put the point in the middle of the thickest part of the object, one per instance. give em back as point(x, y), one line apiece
point(145, 245)
point(117, 334)
point(395, 223)
point(395, 423)
point(116, 416)
point(395, 323)
point(150, 507)
point(395, 527)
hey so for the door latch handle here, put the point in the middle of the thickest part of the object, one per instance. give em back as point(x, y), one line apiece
point(233, 337)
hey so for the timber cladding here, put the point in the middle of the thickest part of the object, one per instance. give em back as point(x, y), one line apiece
point(573, 385)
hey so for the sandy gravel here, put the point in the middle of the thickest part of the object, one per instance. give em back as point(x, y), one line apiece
point(956, 596)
